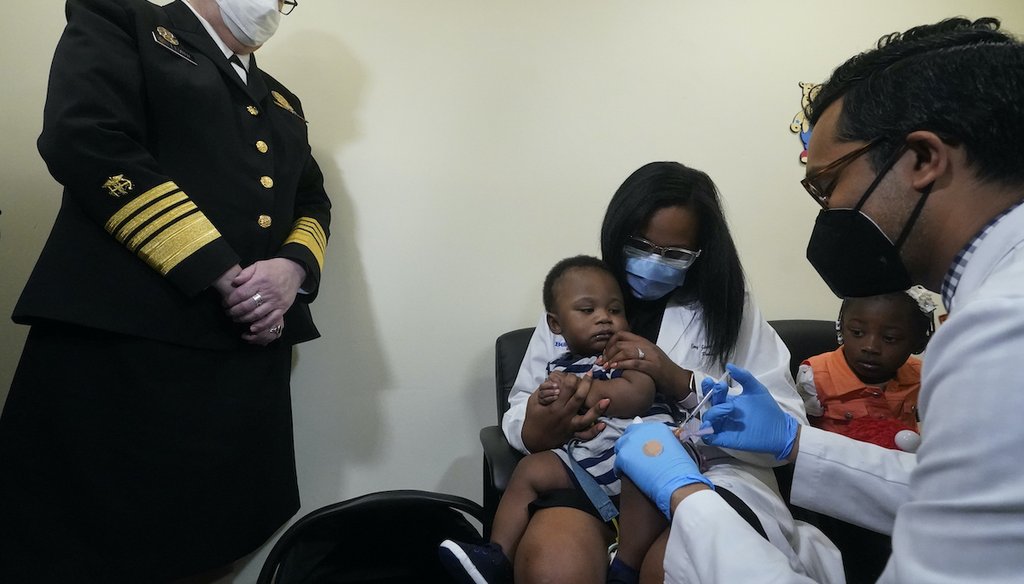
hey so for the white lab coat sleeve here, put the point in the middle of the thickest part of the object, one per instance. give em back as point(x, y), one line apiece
point(858, 482)
point(808, 390)
point(709, 542)
point(532, 372)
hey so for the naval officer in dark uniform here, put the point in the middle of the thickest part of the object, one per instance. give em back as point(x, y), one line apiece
point(147, 436)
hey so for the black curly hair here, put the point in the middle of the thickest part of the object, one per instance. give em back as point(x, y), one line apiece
point(923, 322)
point(961, 79)
point(563, 266)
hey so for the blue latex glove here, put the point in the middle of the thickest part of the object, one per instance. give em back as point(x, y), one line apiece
point(752, 420)
point(719, 390)
point(652, 457)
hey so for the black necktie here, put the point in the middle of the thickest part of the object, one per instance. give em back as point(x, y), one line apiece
point(241, 71)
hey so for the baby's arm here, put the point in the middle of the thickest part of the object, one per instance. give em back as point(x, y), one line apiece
point(631, 394)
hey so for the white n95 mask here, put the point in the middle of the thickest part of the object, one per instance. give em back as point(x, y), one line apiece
point(252, 22)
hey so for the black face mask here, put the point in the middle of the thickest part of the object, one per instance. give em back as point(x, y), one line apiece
point(854, 256)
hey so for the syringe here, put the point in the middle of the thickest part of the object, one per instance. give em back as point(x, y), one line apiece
point(686, 430)
point(726, 379)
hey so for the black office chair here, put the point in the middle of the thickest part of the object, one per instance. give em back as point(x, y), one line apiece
point(805, 339)
point(500, 458)
point(390, 537)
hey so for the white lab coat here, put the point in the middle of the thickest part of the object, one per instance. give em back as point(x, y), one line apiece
point(956, 510)
point(758, 349)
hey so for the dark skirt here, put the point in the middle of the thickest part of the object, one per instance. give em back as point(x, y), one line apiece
point(131, 460)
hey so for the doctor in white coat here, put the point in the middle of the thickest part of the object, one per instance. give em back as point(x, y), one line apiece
point(917, 160)
point(665, 215)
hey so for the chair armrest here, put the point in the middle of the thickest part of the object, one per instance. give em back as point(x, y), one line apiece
point(499, 456)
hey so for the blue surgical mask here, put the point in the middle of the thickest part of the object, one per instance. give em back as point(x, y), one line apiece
point(651, 277)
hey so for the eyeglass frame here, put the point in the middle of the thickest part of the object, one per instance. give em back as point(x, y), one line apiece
point(661, 250)
point(822, 195)
point(288, 6)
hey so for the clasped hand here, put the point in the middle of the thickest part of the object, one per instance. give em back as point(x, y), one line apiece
point(276, 281)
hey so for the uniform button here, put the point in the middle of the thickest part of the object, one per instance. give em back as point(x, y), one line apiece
point(267, 182)
point(252, 110)
point(848, 415)
point(264, 221)
point(262, 146)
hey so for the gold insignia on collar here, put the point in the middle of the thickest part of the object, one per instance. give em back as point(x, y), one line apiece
point(118, 185)
point(281, 101)
point(167, 35)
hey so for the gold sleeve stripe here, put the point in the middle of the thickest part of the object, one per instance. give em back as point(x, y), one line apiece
point(130, 229)
point(178, 241)
point(159, 224)
point(162, 226)
point(314, 229)
point(306, 240)
point(133, 206)
point(308, 233)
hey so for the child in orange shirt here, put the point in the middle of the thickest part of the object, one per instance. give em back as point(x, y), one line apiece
point(872, 376)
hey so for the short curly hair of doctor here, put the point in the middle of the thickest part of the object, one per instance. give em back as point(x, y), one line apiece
point(960, 79)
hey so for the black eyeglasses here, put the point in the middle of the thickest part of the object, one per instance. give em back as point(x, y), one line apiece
point(287, 6)
point(821, 194)
point(679, 255)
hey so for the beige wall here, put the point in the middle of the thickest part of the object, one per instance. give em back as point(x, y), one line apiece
point(469, 145)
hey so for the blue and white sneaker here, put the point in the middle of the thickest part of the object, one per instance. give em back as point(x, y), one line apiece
point(475, 564)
